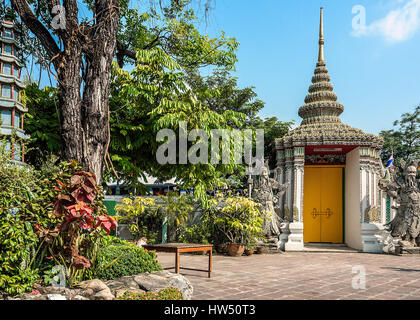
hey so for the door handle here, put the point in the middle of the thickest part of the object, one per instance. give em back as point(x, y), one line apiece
point(327, 213)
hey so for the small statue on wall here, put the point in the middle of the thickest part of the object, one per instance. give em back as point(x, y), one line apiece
point(263, 193)
point(405, 190)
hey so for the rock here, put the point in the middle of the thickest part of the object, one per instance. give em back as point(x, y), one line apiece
point(55, 290)
point(182, 284)
point(164, 279)
point(96, 285)
point(126, 282)
point(79, 297)
point(104, 294)
point(150, 282)
point(53, 296)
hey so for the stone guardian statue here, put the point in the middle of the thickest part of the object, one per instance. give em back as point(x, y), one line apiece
point(263, 193)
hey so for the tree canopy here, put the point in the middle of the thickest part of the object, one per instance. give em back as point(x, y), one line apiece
point(404, 139)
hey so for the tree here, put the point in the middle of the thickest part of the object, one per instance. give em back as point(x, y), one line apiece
point(81, 54)
point(404, 140)
point(155, 97)
point(42, 124)
point(220, 92)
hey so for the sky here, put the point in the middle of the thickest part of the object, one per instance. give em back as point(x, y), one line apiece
point(371, 50)
point(374, 61)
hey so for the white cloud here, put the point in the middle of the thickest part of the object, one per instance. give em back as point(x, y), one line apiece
point(398, 25)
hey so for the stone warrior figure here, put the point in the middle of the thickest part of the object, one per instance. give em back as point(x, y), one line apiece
point(406, 192)
point(263, 193)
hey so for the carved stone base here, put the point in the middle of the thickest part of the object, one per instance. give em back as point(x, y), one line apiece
point(295, 239)
point(400, 250)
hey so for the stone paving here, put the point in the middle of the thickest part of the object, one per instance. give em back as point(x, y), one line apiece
point(301, 275)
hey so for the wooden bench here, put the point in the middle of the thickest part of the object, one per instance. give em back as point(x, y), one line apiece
point(178, 248)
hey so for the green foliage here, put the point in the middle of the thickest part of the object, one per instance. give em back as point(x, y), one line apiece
point(18, 187)
point(239, 219)
point(145, 217)
point(151, 97)
point(177, 212)
point(220, 93)
point(164, 294)
point(42, 124)
point(198, 233)
point(17, 240)
point(123, 260)
point(405, 140)
point(142, 217)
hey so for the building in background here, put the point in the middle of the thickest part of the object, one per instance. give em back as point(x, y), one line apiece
point(12, 109)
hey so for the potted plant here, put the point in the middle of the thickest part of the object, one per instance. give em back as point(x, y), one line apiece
point(250, 246)
point(240, 221)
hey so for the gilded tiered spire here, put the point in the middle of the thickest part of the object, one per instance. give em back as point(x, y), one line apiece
point(321, 103)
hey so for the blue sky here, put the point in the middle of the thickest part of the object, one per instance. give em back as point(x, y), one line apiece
point(375, 69)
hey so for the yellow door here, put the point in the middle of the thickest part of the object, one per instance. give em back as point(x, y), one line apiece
point(323, 205)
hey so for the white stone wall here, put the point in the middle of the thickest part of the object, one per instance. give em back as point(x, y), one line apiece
point(353, 200)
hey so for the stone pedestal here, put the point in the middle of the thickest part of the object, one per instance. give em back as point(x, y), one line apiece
point(372, 238)
point(295, 238)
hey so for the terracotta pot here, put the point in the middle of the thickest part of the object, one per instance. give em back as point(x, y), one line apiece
point(249, 252)
point(261, 250)
point(221, 248)
point(235, 249)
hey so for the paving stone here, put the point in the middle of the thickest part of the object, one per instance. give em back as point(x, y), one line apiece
point(298, 275)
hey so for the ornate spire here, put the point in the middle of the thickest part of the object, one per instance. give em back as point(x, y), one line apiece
point(321, 37)
point(321, 104)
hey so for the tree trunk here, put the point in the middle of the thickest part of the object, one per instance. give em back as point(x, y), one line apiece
point(84, 119)
point(95, 103)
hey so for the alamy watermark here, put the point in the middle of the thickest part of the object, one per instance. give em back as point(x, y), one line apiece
point(359, 280)
point(225, 146)
point(59, 19)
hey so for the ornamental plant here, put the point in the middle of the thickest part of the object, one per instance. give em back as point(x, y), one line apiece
point(238, 218)
point(170, 293)
point(120, 260)
point(141, 216)
point(18, 189)
point(77, 221)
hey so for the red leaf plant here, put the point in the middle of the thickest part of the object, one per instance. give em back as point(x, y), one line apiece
point(80, 216)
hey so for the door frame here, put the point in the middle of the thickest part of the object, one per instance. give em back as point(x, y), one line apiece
point(343, 166)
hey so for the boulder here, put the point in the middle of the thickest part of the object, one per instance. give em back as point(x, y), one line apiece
point(98, 290)
point(104, 294)
point(54, 296)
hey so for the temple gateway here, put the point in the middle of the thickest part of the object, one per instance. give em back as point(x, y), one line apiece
point(333, 170)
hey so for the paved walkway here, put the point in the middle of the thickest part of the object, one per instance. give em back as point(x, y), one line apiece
point(302, 275)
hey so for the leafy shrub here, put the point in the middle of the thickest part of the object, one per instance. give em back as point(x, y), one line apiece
point(18, 188)
point(145, 216)
point(115, 261)
point(198, 233)
point(239, 219)
point(16, 241)
point(164, 294)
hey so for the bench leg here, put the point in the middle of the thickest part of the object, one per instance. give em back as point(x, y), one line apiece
point(210, 255)
point(177, 261)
